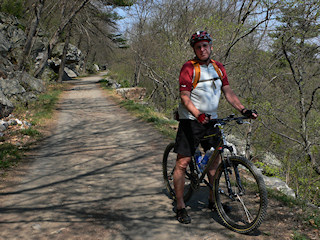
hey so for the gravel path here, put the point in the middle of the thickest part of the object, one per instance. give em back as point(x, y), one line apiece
point(98, 176)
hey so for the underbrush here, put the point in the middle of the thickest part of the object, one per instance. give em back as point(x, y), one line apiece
point(9, 155)
point(17, 138)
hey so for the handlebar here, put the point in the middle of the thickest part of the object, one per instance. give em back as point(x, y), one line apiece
point(223, 121)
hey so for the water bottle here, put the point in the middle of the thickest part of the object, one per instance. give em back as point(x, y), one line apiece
point(206, 158)
point(198, 158)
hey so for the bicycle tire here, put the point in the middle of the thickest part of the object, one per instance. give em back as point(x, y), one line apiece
point(168, 165)
point(246, 211)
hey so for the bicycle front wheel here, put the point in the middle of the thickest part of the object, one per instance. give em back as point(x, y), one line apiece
point(168, 165)
point(244, 207)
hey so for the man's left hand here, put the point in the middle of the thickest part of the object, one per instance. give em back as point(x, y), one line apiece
point(249, 113)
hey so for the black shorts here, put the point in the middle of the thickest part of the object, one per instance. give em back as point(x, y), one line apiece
point(190, 134)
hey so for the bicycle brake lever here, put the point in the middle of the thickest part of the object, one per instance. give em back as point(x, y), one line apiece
point(239, 121)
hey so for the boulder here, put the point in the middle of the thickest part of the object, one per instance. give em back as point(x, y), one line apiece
point(271, 160)
point(74, 59)
point(278, 184)
point(70, 73)
point(31, 83)
point(11, 87)
point(6, 107)
point(134, 93)
point(5, 45)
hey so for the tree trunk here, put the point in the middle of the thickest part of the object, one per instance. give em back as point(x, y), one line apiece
point(248, 142)
point(32, 32)
point(64, 56)
point(137, 71)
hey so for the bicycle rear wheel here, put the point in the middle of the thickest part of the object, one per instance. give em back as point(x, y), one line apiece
point(244, 210)
point(168, 165)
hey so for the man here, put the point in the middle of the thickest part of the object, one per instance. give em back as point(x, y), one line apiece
point(196, 102)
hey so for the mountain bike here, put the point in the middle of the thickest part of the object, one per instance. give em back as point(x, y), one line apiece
point(237, 183)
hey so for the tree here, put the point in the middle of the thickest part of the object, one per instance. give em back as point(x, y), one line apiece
point(73, 8)
point(299, 52)
point(293, 114)
point(38, 7)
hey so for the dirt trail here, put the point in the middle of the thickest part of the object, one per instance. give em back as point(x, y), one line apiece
point(98, 176)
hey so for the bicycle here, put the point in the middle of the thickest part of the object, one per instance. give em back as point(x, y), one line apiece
point(237, 184)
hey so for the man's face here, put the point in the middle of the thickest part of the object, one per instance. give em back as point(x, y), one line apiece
point(202, 50)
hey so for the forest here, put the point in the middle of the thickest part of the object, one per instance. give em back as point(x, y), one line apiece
point(270, 49)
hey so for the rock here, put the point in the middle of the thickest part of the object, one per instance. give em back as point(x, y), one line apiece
point(74, 59)
point(113, 84)
point(5, 45)
point(31, 83)
point(11, 87)
point(278, 184)
point(70, 73)
point(96, 67)
point(13, 122)
point(271, 159)
point(238, 144)
point(3, 126)
point(6, 107)
point(135, 93)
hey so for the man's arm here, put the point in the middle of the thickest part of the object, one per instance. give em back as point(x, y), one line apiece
point(235, 102)
point(232, 98)
point(186, 101)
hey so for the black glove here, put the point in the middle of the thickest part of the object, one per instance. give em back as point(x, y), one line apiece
point(249, 113)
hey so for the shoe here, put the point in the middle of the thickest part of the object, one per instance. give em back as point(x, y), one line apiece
point(212, 207)
point(182, 216)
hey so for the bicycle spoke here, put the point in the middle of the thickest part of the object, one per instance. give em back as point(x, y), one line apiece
point(249, 216)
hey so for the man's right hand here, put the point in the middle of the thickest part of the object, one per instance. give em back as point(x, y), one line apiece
point(202, 118)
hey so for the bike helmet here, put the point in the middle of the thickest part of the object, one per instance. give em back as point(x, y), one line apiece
point(200, 36)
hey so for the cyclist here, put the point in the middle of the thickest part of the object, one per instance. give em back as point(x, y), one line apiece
point(196, 102)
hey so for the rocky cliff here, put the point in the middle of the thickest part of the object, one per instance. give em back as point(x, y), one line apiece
point(17, 86)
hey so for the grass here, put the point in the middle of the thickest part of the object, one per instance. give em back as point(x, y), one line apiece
point(31, 132)
point(299, 236)
point(9, 155)
point(148, 114)
point(16, 140)
point(145, 112)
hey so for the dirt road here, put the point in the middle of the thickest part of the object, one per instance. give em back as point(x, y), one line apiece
point(98, 176)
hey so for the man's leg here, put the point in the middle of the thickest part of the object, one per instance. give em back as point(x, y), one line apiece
point(178, 182)
point(179, 178)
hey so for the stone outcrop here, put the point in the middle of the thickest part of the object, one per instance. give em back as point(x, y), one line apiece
point(22, 87)
point(268, 159)
point(279, 185)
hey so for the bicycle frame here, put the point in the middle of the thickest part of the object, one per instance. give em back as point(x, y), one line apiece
point(219, 150)
point(237, 185)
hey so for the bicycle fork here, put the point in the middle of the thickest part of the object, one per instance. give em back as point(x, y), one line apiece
point(228, 171)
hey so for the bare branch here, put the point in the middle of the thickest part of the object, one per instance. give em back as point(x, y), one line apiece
point(246, 34)
point(281, 134)
point(312, 100)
